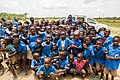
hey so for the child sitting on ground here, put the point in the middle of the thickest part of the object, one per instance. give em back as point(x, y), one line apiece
point(79, 66)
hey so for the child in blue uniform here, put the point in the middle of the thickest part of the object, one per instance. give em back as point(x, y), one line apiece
point(63, 43)
point(77, 44)
point(89, 52)
point(107, 39)
point(35, 63)
point(47, 70)
point(22, 53)
point(24, 37)
point(46, 46)
point(99, 58)
point(36, 46)
point(54, 50)
point(113, 58)
point(33, 36)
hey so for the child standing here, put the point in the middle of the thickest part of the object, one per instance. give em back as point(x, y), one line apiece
point(107, 39)
point(77, 44)
point(112, 58)
point(89, 52)
point(11, 55)
point(99, 58)
point(63, 43)
point(46, 46)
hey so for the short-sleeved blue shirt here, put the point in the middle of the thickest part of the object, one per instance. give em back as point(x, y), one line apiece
point(46, 73)
point(67, 43)
point(113, 64)
point(21, 48)
point(33, 46)
point(88, 53)
point(100, 55)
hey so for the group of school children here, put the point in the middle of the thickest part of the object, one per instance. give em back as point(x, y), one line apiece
point(55, 49)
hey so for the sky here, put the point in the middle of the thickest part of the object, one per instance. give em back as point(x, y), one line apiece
point(50, 8)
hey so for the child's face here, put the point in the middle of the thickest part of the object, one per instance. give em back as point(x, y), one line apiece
point(79, 57)
point(62, 55)
point(16, 44)
point(98, 44)
point(92, 34)
point(25, 33)
point(56, 35)
point(37, 58)
point(87, 40)
point(107, 33)
point(81, 34)
point(63, 35)
point(76, 36)
point(38, 42)
point(116, 42)
point(47, 63)
point(32, 32)
point(48, 38)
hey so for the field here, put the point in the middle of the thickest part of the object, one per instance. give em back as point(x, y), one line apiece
point(114, 26)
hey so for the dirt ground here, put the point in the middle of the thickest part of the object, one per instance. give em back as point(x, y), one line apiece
point(30, 76)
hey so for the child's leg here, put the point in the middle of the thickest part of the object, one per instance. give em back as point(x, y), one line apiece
point(24, 57)
point(106, 71)
point(53, 76)
point(112, 77)
point(113, 74)
point(83, 73)
point(102, 69)
point(11, 67)
point(97, 68)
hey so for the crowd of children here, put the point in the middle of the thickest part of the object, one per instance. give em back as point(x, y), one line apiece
point(54, 49)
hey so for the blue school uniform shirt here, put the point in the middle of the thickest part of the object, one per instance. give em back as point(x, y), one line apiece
point(72, 22)
point(10, 48)
point(46, 73)
point(46, 49)
point(24, 39)
point(33, 46)
point(35, 63)
point(107, 42)
point(15, 24)
point(21, 48)
point(63, 63)
point(100, 35)
point(100, 55)
point(33, 38)
point(77, 43)
point(89, 52)
point(2, 33)
point(113, 64)
point(67, 43)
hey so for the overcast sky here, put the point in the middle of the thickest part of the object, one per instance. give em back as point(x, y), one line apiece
point(41, 8)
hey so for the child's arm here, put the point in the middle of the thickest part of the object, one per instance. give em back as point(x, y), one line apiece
point(11, 55)
point(85, 46)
